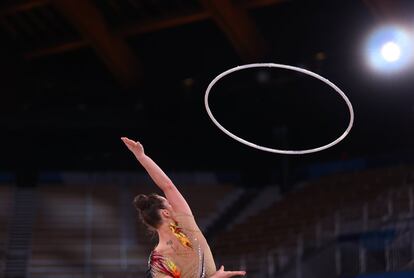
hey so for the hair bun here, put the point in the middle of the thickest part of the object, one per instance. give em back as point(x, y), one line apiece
point(142, 202)
point(148, 207)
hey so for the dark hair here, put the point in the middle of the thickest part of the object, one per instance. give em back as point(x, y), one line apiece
point(148, 207)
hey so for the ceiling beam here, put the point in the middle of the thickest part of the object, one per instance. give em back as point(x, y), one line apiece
point(130, 30)
point(239, 28)
point(164, 23)
point(57, 48)
point(19, 6)
point(127, 31)
point(249, 4)
point(23, 5)
point(112, 49)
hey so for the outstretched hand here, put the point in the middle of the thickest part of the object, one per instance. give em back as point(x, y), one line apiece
point(225, 274)
point(135, 147)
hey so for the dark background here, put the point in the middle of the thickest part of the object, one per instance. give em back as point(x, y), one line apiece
point(66, 109)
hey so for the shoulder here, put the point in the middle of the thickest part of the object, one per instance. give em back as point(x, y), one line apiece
point(186, 221)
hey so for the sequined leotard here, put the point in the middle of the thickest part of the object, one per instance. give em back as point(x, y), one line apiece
point(191, 258)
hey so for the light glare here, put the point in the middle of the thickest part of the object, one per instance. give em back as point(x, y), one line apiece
point(391, 51)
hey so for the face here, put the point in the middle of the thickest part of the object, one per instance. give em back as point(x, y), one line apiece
point(168, 211)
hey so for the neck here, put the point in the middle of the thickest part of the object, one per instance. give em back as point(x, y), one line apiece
point(164, 235)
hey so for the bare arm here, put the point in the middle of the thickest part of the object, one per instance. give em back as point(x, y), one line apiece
point(171, 192)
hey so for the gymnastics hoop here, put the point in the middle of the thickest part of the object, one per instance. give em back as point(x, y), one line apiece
point(272, 65)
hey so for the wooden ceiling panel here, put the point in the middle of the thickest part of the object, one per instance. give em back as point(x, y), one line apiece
point(121, 13)
point(170, 14)
point(37, 28)
point(46, 27)
point(112, 49)
point(12, 7)
point(239, 28)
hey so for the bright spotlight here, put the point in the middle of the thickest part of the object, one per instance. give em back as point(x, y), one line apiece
point(391, 52)
point(389, 49)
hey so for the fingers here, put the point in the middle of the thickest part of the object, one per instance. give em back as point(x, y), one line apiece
point(129, 141)
point(236, 273)
point(232, 273)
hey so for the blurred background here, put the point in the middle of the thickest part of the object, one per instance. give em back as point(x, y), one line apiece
point(76, 75)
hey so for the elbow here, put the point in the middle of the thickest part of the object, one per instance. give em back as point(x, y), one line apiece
point(167, 186)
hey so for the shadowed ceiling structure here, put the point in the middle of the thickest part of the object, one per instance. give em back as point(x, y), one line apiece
point(78, 74)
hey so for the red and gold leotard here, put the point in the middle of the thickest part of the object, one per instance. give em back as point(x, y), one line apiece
point(191, 258)
point(160, 264)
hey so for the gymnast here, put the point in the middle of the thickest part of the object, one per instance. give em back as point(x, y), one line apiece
point(182, 250)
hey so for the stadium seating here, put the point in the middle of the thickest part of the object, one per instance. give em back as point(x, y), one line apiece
point(85, 230)
point(315, 213)
point(6, 201)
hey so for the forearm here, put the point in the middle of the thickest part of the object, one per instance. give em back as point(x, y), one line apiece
point(155, 172)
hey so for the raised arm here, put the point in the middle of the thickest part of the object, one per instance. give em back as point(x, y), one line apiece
point(174, 197)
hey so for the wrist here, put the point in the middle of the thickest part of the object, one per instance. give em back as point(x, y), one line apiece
point(139, 155)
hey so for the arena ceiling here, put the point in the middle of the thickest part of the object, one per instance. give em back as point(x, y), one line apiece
point(77, 75)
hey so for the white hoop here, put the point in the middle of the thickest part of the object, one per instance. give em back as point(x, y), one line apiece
point(272, 65)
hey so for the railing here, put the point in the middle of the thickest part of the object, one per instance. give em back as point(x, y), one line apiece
point(393, 229)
